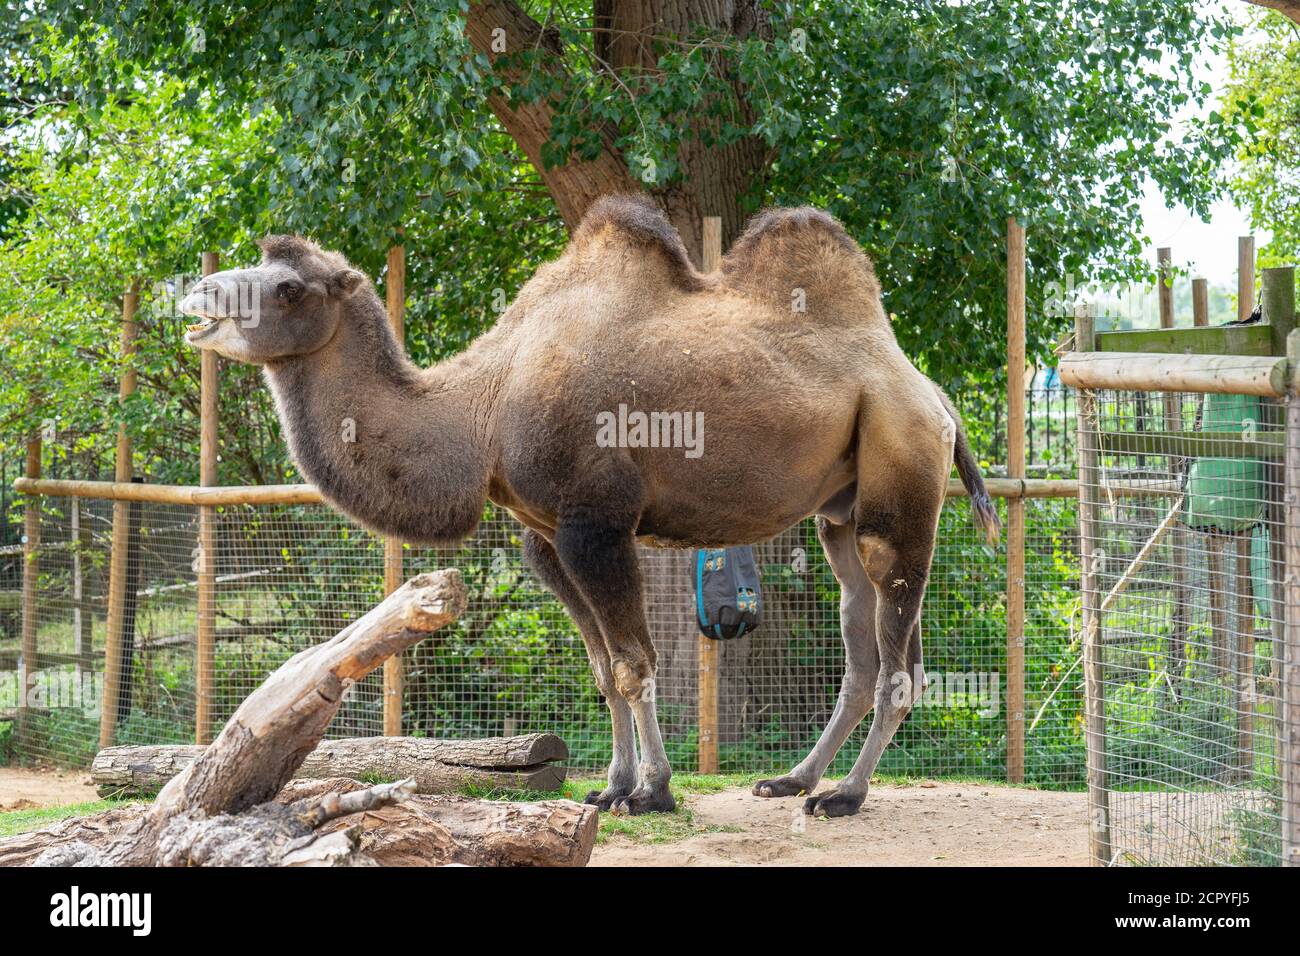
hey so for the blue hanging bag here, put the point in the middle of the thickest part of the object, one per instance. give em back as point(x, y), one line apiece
point(728, 600)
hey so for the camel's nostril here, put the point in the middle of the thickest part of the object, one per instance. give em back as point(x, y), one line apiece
point(206, 299)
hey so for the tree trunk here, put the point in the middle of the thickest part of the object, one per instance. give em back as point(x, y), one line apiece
point(1288, 8)
point(714, 179)
point(281, 722)
point(713, 182)
point(229, 806)
point(436, 766)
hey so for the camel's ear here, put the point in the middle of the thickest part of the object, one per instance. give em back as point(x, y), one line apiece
point(344, 282)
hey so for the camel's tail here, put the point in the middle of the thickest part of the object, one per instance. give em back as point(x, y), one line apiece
point(986, 516)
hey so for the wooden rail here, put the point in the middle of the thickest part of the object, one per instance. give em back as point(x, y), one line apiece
point(1136, 371)
point(172, 494)
point(304, 494)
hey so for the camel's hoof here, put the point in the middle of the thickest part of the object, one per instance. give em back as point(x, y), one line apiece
point(644, 801)
point(780, 787)
point(604, 799)
point(833, 803)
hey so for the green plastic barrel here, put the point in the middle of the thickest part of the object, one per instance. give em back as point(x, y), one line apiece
point(1226, 495)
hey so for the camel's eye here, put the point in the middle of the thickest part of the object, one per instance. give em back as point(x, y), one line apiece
point(289, 291)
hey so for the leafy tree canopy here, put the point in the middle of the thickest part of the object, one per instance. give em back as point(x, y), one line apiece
point(196, 124)
point(1264, 94)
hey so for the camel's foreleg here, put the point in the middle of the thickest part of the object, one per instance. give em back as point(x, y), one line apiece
point(601, 560)
point(622, 776)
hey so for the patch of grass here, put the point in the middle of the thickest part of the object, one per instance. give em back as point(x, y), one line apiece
point(650, 828)
point(656, 827)
point(972, 780)
point(21, 821)
point(374, 778)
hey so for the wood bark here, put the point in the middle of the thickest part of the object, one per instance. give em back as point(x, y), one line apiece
point(228, 804)
point(1288, 8)
point(627, 38)
point(282, 721)
point(438, 829)
point(436, 766)
point(419, 831)
point(220, 809)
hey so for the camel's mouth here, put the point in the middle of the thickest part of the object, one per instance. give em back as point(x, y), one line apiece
point(200, 329)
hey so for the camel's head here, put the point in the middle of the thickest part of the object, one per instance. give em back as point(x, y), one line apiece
point(289, 305)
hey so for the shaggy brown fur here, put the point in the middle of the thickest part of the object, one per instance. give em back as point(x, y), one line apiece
point(809, 407)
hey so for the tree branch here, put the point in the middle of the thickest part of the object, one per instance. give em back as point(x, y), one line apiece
point(499, 28)
point(1288, 8)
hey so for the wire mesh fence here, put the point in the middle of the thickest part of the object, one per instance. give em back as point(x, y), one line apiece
point(1188, 624)
point(290, 576)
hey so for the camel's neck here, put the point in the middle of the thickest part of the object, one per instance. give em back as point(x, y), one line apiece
point(403, 450)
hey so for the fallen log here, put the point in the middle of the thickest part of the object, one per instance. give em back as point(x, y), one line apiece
point(221, 809)
point(230, 805)
point(436, 766)
point(420, 831)
point(440, 829)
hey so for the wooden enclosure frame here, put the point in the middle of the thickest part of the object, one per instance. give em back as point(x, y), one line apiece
point(1180, 360)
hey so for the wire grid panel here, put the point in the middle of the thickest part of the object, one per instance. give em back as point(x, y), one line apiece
point(292, 576)
point(1188, 623)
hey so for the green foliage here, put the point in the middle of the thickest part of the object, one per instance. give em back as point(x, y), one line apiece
point(922, 126)
point(1264, 96)
point(6, 742)
point(1051, 112)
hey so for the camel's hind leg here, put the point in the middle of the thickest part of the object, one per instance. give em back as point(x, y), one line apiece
point(861, 666)
point(896, 548)
point(546, 565)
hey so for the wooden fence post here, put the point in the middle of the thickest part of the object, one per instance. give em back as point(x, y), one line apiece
point(1093, 674)
point(394, 669)
point(1200, 303)
point(83, 618)
point(1246, 284)
point(31, 569)
point(119, 554)
point(1178, 537)
point(206, 647)
point(709, 654)
point(1165, 296)
point(1278, 300)
point(1015, 506)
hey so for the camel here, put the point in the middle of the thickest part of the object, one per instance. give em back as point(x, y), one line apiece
point(809, 407)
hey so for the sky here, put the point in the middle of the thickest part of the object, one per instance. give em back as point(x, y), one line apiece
point(1210, 248)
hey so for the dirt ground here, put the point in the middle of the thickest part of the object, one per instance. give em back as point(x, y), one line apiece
point(929, 824)
point(939, 824)
point(24, 788)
